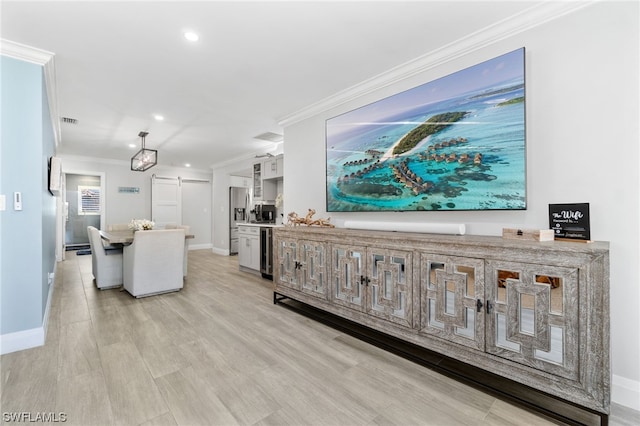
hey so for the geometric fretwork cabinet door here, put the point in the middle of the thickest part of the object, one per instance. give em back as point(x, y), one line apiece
point(533, 315)
point(389, 285)
point(373, 280)
point(452, 299)
point(347, 284)
point(311, 268)
point(301, 266)
point(287, 265)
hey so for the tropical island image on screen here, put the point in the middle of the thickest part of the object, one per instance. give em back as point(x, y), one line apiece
point(455, 143)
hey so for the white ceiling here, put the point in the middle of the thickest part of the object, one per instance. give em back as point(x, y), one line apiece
point(119, 63)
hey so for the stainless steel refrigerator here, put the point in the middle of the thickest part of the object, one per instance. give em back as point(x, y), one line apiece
point(239, 207)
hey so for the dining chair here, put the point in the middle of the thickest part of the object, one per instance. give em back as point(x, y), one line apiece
point(106, 261)
point(153, 262)
point(187, 229)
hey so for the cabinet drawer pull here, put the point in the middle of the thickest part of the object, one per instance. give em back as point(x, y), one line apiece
point(489, 306)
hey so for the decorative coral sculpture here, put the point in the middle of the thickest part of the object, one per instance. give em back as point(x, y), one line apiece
point(295, 220)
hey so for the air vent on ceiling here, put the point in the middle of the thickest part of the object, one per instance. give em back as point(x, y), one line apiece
point(69, 120)
point(269, 136)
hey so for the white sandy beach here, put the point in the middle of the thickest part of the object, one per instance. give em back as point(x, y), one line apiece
point(389, 154)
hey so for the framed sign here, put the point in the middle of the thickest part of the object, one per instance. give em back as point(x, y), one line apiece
point(129, 189)
point(570, 221)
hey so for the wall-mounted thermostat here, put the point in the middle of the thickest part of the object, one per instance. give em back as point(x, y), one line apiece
point(17, 201)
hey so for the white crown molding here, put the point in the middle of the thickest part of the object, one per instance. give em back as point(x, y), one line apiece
point(44, 58)
point(530, 18)
point(52, 99)
point(24, 52)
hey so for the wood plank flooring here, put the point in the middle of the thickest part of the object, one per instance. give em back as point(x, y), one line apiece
point(219, 352)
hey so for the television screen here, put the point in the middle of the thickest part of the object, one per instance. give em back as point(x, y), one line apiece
point(455, 143)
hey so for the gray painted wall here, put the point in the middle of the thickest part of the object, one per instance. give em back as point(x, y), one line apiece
point(28, 236)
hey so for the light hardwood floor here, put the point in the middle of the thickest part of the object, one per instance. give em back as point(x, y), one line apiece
point(220, 353)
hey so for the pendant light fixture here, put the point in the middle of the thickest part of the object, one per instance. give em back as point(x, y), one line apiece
point(145, 158)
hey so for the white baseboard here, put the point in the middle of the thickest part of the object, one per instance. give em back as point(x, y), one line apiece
point(221, 252)
point(625, 392)
point(32, 338)
point(20, 340)
point(200, 246)
point(45, 319)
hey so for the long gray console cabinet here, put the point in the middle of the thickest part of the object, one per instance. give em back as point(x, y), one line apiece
point(534, 312)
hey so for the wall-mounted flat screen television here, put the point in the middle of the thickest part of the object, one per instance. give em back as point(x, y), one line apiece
point(455, 143)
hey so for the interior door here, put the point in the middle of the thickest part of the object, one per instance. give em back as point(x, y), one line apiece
point(196, 209)
point(166, 200)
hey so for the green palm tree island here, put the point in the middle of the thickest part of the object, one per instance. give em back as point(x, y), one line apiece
point(431, 126)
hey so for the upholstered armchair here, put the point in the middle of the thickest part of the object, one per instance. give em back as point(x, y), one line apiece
point(153, 263)
point(186, 228)
point(106, 261)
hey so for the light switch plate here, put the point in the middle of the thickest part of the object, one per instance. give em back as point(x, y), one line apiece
point(3, 202)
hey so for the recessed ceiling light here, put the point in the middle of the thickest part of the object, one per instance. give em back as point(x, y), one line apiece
point(158, 117)
point(191, 36)
point(132, 145)
point(187, 165)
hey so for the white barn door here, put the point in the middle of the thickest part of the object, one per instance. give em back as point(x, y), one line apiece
point(166, 200)
point(196, 210)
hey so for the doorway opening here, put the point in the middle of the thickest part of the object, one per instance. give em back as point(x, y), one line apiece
point(83, 207)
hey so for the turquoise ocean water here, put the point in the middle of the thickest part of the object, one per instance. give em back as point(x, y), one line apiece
point(495, 131)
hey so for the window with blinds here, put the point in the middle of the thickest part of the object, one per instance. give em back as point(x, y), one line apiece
point(89, 200)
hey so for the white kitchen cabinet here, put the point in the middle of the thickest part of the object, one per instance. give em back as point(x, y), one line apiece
point(249, 248)
point(239, 181)
point(263, 189)
point(272, 167)
point(257, 181)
